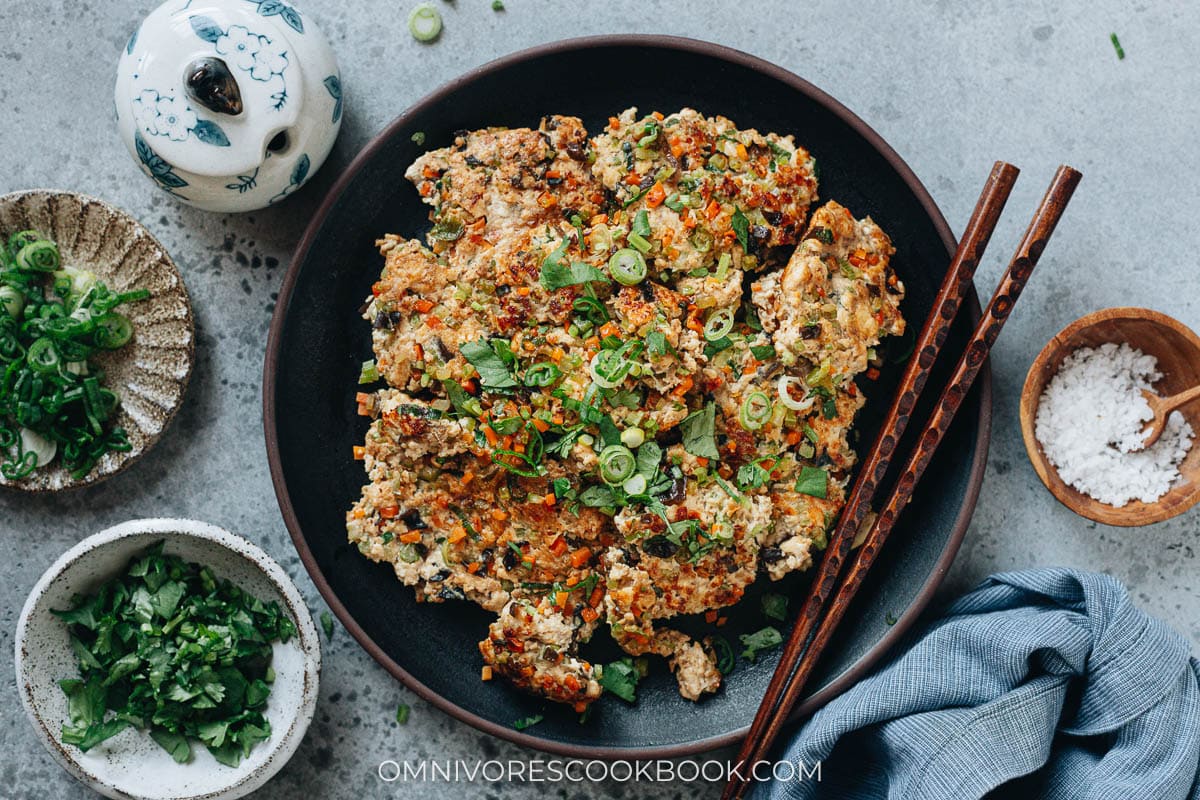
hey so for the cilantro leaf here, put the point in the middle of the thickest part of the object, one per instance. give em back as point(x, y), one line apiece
point(763, 352)
point(327, 625)
point(558, 275)
point(656, 343)
point(775, 606)
point(621, 678)
point(174, 743)
point(598, 496)
point(741, 226)
point(522, 724)
point(760, 640)
point(699, 437)
point(813, 481)
point(493, 371)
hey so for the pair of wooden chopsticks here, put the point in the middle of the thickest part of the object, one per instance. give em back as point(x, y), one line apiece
point(825, 605)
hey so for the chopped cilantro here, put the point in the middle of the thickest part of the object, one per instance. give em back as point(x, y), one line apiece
point(724, 653)
point(418, 138)
point(698, 429)
point(656, 343)
point(169, 647)
point(1117, 46)
point(763, 352)
point(598, 496)
point(741, 226)
point(528, 722)
point(557, 275)
point(497, 5)
point(775, 606)
point(759, 641)
point(621, 678)
point(327, 625)
point(489, 362)
point(813, 481)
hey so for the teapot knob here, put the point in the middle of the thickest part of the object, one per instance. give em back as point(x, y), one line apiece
point(211, 84)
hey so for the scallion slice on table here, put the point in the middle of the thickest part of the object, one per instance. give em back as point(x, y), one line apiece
point(627, 266)
point(424, 23)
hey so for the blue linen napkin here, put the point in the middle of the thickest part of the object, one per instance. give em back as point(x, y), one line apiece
point(1047, 683)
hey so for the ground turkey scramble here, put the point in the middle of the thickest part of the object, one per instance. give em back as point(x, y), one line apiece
point(620, 376)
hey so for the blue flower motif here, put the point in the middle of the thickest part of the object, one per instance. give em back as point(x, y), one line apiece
point(240, 46)
point(269, 60)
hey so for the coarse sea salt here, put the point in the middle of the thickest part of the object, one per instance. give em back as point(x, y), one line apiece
point(1091, 416)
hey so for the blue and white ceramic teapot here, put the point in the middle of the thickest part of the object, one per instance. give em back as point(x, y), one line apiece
point(229, 105)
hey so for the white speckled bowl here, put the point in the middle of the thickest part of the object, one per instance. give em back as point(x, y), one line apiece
point(150, 374)
point(131, 765)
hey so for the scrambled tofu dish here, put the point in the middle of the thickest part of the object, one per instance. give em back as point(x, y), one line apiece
point(620, 375)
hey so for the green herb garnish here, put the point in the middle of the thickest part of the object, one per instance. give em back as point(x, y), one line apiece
point(494, 372)
point(556, 275)
point(1116, 43)
point(621, 678)
point(169, 647)
point(327, 625)
point(698, 429)
point(813, 481)
point(522, 724)
point(775, 606)
point(402, 712)
point(759, 641)
point(741, 226)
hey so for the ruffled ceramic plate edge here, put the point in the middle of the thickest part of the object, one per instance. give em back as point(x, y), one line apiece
point(152, 372)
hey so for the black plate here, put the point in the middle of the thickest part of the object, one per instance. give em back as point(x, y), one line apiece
point(318, 341)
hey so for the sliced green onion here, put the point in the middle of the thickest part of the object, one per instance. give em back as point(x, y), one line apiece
point(424, 23)
point(39, 256)
point(609, 368)
point(543, 373)
point(369, 372)
point(12, 300)
point(785, 395)
point(701, 239)
point(43, 449)
point(617, 464)
point(633, 437)
point(723, 266)
point(756, 410)
point(113, 330)
point(635, 485)
point(639, 241)
point(43, 356)
point(719, 324)
point(627, 267)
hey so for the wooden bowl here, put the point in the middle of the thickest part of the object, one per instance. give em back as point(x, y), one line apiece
point(1177, 349)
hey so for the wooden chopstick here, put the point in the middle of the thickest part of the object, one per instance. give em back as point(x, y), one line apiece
point(955, 285)
point(966, 370)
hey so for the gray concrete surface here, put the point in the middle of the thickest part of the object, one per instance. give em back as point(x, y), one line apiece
point(953, 86)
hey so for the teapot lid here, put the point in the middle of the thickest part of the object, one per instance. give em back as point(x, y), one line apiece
point(213, 83)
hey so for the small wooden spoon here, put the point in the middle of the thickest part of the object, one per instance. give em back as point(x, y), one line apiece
point(1162, 408)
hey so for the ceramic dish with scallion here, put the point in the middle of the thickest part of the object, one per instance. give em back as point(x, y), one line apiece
point(96, 340)
point(167, 658)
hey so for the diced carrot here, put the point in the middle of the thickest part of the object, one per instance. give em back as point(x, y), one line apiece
point(418, 351)
point(549, 499)
point(412, 537)
point(557, 355)
point(558, 545)
point(702, 461)
point(360, 452)
point(596, 597)
point(684, 387)
point(507, 442)
point(491, 435)
point(721, 621)
point(469, 386)
point(557, 419)
point(553, 174)
point(598, 219)
point(710, 616)
point(499, 514)
point(614, 123)
point(609, 329)
point(589, 614)
point(633, 179)
point(872, 373)
point(546, 200)
point(523, 291)
point(433, 321)
point(474, 567)
point(712, 209)
point(426, 189)
point(358, 513)
point(689, 221)
point(389, 512)
point(423, 306)
point(580, 557)
point(486, 673)
point(592, 342)
point(656, 195)
point(741, 151)
point(541, 425)
point(560, 598)
point(658, 115)
point(668, 237)
point(467, 477)
point(362, 397)
point(457, 534)
point(676, 146)
point(793, 437)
